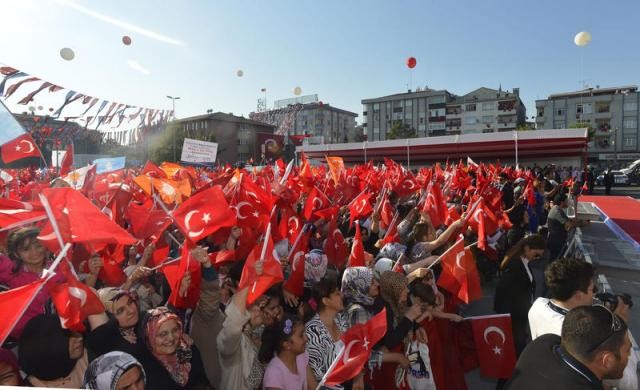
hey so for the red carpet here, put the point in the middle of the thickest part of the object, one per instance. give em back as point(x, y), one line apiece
point(623, 210)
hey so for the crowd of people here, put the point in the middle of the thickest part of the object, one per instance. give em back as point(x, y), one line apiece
point(210, 329)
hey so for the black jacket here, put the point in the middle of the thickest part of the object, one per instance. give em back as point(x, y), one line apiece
point(545, 365)
point(158, 378)
point(514, 295)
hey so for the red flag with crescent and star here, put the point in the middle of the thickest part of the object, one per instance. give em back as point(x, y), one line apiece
point(203, 214)
point(13, 304)
point(358, 344)
point(316, 200)
point(74, 300)
point(459, 273)
point(271, 274)
point(21, 147)
point(360, 207)
point(356, 257)
point(494, 345)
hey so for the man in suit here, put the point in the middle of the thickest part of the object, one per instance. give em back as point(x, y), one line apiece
point(594, 346)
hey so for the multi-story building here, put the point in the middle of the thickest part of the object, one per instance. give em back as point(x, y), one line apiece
point(612, 114)
point(238, 138)
point(439, 112)
point(320, 121)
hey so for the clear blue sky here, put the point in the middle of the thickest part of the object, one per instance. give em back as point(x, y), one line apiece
point(342, 50)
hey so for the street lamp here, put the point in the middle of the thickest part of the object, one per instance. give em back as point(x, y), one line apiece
point(173, 114)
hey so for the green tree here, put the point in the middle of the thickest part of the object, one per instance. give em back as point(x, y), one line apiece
point(401, 130)
point(581, 125)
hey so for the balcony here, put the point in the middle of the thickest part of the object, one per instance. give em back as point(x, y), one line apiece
point(454, 110)
point(508, 105)
point(437, 119)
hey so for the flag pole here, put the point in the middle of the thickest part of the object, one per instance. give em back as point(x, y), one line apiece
point(447, 251)
point(171, 261)
point(54, 223)
point(331, 367)
point(267, 236)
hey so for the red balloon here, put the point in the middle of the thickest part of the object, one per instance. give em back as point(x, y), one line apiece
point(411, 62)
point(126, 40)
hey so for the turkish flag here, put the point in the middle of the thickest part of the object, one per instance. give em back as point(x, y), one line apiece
point(111, 273)
point(356, 257)
point(15, 213)
point(74, 300)
point(335, 246)
point(359, 341)
point(436, 206)
point(295, 283)
point(67, 160)
point(484, 222)
point(175, 273)
point(21, 147)
point(391, 235)
point(145, 221)
point(387, 212)
point(316, 200)
point(203, 214)
point(406, 185)
point(80, 221)
point(459, 273)
point(494, 345)
point(271, 274)
point(13, 304)
point(360, 207)
point(223, 256)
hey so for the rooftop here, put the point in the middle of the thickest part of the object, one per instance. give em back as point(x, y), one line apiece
point(221, 116)
point(625, 89)
point(409, 94)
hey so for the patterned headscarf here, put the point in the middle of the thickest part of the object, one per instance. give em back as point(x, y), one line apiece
point(315, 266)
point(177, 364)
point(392, 251)
point(104, 371)
point(355, 285)
point(391, 286)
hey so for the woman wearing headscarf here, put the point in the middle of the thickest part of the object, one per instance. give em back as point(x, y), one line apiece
point(27, 259)
point(114, 371)
point(359, 291)
point(174, 362)
point(118, 329)
point(50, 355)
point(400, 321)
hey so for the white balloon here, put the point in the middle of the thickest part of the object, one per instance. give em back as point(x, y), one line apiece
point(582, 38)
point(297, 91)
point(67, 54)
point(240, 73)
point(39, 108)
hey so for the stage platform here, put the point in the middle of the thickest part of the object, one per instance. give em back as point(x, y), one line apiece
point(620, 213)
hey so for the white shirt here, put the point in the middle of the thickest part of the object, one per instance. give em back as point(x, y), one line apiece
point(526, 267)
point(543, 319)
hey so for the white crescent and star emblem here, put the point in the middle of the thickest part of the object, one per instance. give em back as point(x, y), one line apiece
point(296, 259)
point(319, 201)
point(187, 220)
point(78, 293)
point(362, 205)
point(346, 358)
point(29, 145)
point(411, 185)
point(496, 350)
point(238, 208)
point(295, 221)
point(459, 257)
point(254, 196)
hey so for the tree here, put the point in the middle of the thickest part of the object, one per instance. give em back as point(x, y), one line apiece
point(401, 130)
point(581, 125)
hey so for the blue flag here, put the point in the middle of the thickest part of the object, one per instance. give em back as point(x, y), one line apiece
point(109, 164)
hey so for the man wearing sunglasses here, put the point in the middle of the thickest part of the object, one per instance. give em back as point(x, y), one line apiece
point(594, 346)
point(569, 284)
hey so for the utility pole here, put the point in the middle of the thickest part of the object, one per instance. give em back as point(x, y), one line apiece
point(173, 111)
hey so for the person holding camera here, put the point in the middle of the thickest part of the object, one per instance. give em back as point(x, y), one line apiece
point(594, 345)
point(570, 284)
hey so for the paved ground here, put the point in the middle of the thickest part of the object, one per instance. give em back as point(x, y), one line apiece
point(632, 191)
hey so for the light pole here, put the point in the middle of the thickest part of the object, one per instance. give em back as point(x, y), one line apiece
point(173, 114)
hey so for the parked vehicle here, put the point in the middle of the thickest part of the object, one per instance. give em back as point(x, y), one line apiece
point(620, 179)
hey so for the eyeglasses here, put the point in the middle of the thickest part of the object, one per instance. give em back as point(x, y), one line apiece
point(616, 326)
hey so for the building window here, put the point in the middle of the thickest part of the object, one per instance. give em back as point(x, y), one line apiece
point(397, 109)
point(540, 112)
point(560, 125)
point(602, 107)
point(487, 106)
point(470, 120)
point(631, 106)
point(421, 120)
point(584, 108)
point(629, 141)
point(488, 119)
point(436, 126)
point(470, 107)
point(630, 123)
point(561, 112)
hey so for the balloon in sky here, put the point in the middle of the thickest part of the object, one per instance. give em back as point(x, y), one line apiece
point(67, 54)
point(582, 38)
point(411, 62)
point(39, 108)
point(240, 73)
point(126, 40)
point(297, 91)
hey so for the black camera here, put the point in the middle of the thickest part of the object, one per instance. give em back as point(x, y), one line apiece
point(611, 300)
